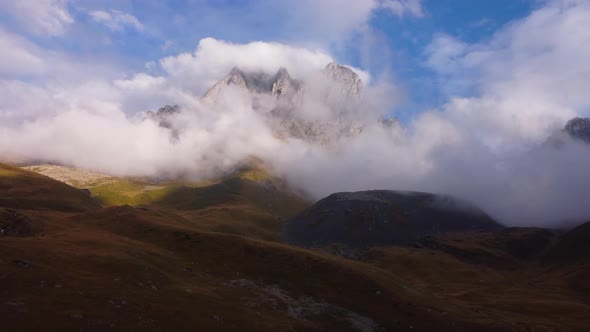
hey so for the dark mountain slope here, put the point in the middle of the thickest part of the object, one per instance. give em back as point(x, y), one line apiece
point(380, 217)
point(573, 246)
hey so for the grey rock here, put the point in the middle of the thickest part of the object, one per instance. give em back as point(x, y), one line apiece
point(286, 95)
point(22, 263)
point(13, 223)
point(579, 128)
point(346, 80)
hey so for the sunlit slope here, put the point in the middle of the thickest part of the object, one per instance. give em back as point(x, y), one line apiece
point(108, 190)
point(249, 201)
point(22, 189)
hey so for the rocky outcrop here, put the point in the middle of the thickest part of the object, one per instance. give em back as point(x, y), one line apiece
point(283, 86)
point(13, 223)
point(579, 128)
point(346, 81)
point(163, 115)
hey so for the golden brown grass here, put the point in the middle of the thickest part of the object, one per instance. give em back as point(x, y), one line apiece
point(161, 268)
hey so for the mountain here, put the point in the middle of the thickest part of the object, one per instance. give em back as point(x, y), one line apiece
point(289, 105)
point(577, 129)
point(163, 114)
point(283, 87)
point(380, 217)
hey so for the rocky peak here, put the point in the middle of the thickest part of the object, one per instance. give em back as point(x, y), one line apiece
point(576, 129)
point(168, 110)
point(284, 85)
point(235, 77)
point(349, 82)
point(164, 117)
point(288, 99)
point(579, 128)
point(163, 114)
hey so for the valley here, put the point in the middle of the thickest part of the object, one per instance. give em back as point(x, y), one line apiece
point(213, 256)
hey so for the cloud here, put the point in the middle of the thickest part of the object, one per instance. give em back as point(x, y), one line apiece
point(116, 20)
point(529, 77)
point(19, 56)
point(402, 8)
point(41, 17)
point(213, 59)
point(331, 20)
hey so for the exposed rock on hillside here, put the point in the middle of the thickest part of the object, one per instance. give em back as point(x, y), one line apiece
point(13, 223)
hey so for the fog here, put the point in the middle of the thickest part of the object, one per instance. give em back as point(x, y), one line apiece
point(486, 146)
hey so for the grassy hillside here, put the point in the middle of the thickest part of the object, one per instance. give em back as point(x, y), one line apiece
point(167, 266)
point(247, 202)
point(22, 189)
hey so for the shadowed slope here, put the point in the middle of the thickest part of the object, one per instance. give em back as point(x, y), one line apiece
point(381, 217)
point(573, 246)
point(23, 189)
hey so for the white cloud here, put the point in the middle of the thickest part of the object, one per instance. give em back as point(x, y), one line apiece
point(530, 77)
point(42, 17)
point(403, 8)
point(213, 59)
point(116, 20)
point(328, 20)
point(19, 57)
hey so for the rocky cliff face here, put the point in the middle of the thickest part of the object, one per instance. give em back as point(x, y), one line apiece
point(346, 81)
point(288, 104)
point(577, 129)
point(162, 115)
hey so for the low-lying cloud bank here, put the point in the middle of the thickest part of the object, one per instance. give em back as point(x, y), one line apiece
point(507, 95)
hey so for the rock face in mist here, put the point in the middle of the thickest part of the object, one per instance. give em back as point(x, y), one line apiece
point(577, 129)
point(284, 87)
point(346, 81)
point(381, 217)
point(287, 116)
point(258, 82)
point(162, 115)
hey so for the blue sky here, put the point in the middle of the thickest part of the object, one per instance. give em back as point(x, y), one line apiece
point(384, 37)
point(468, 20)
